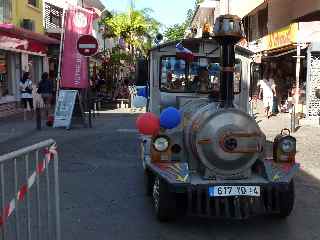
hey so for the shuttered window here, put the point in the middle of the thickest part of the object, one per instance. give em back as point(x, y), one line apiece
point(5, 10)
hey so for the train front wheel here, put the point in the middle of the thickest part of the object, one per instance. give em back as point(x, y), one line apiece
point(286, 200)
point(164, 201)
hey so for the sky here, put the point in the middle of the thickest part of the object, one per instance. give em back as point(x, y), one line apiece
point(168, 12)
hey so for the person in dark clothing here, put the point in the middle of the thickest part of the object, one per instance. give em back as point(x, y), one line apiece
point(46, 89)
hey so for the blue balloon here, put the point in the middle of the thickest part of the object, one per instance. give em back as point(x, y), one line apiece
point(170, 118)
point(142, 92)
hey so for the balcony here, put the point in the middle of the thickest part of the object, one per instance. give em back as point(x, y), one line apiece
point(53, 18)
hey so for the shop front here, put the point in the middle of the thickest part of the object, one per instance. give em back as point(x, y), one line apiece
point(284, 55)
point(20, 51)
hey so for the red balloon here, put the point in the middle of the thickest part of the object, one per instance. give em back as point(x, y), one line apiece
point(148, 124)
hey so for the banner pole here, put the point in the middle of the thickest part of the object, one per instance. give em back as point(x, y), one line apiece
point(60, 52)
point(89, 94)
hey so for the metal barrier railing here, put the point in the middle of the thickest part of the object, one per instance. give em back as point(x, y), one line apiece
point(30, 199)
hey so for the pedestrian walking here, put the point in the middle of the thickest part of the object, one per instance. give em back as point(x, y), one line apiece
point(26, 94)
point(267, 92)
point(45, 88)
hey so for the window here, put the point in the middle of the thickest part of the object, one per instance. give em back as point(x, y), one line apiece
point(202, 75)
point(28, 24)
point(55, 19)
point(53, 16)
point(263, 22)
point(33, 2)
point(5, 10)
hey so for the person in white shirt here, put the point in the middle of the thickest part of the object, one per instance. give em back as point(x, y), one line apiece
point(26, 91)
point(268, 90)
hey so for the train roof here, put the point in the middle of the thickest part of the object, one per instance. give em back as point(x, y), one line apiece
point(189, 41)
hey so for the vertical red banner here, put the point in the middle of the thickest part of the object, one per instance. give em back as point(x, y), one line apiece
point(74, 69)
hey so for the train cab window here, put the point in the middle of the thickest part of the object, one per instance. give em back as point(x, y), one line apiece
point(204, 75)
point(172, 74)
point(201, 75)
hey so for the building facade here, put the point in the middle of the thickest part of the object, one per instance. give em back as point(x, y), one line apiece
point(207, 11)
point(284, 35)
point(23, 48)
point(28, 14)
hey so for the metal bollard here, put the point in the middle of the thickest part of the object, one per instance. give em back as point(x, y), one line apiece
point(38, 118)
point(293, 119)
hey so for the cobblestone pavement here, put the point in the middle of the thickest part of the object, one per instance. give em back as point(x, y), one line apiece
point(102, 186)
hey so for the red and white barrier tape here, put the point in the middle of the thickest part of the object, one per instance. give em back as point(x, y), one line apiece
point(42, 165)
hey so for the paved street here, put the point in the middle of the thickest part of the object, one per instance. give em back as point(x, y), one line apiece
point(102, 195)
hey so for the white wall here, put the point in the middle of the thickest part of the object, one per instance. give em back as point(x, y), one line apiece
point(239, 7)
point(283, 12)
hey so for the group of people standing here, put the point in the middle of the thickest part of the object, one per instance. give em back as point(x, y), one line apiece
point(29, 92)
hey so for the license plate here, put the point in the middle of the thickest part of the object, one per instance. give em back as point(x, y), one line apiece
point(222, 191)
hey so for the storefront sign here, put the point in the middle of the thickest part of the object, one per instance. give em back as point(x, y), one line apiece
point(282, 37)
point(78, 21)
point(64, 108)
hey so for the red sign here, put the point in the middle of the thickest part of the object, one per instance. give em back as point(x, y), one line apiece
point(87, 45)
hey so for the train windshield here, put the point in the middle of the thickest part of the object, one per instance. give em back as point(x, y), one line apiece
point(202, 75)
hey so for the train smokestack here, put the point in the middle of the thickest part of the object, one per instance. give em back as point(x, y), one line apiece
point(228, 31)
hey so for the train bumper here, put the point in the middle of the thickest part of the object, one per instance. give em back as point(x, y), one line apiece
point(200, 203)
point(195, 195)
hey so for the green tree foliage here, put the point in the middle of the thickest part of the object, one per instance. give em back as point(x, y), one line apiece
point(135, 26)
point(176, 32)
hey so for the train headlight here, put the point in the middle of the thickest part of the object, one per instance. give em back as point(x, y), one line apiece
point(287, 145)
point(161, 143)
point(284, 147)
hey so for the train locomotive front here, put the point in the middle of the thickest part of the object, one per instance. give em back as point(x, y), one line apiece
point(215, 163)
